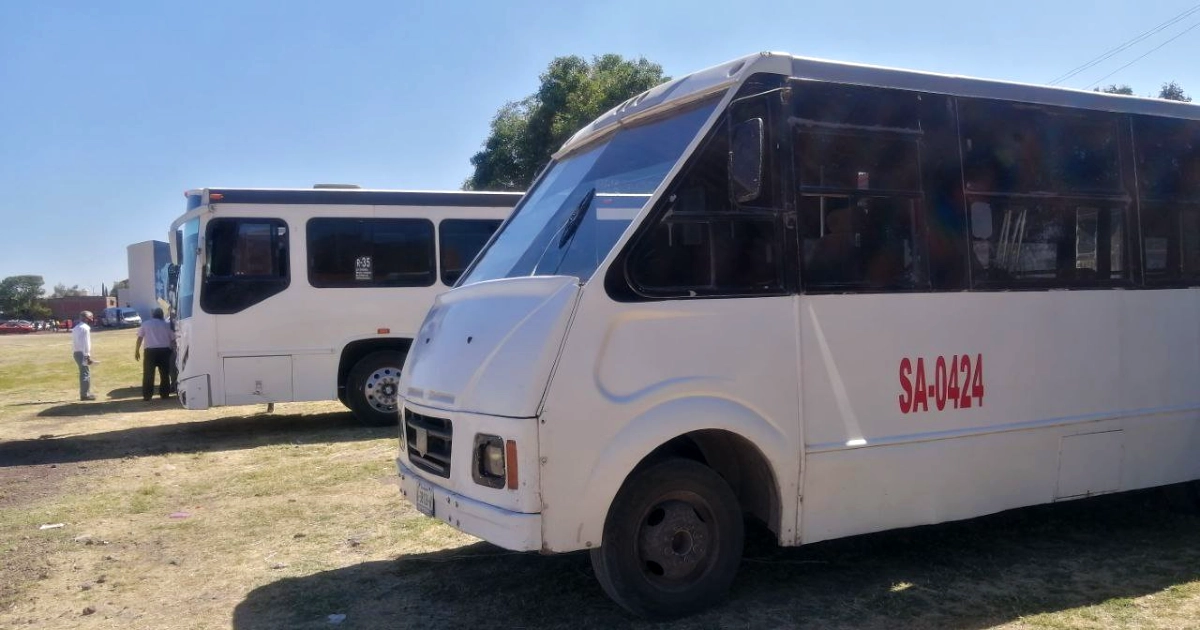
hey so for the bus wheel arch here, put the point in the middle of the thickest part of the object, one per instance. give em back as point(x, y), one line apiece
point(737, 460)
point(692, 427)
point(367, 368)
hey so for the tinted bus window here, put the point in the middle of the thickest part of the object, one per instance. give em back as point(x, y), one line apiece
point(706, 242)
point(460, 240)
point(1168, 158)
point(189, 241)
point(246, 263)
point(370, 252)
point(1036, 179)
point(858, 162)
point(1021, 148)
point(1171, 243)
point(1047, 242)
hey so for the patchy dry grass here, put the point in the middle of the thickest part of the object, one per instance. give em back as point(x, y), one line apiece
point(232, 518)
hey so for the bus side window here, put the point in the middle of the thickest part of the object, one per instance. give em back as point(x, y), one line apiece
point(348, 252)
point(858, 155)
point(706, 241)
point(1049, 184)
point(247, 262)
point(459, 240)
point(1167, 153)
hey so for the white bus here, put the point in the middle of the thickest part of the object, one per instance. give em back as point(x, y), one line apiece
point(856, 299)
point(294, 295)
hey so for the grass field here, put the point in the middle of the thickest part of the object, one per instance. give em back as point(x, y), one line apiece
point(234, 518)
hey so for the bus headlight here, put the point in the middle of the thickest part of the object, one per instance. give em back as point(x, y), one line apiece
point(494, 462)
point(488, 467)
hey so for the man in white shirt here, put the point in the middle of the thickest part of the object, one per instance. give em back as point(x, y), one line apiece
point(157, 336)
point(81, 342)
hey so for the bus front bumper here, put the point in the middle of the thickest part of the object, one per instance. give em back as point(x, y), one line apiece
point(515, 531)
point(194, 392)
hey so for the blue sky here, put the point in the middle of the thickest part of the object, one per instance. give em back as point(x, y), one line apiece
point(111, 110)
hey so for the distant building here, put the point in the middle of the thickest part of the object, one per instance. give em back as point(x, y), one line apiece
point(147, 277)
point(69, 307)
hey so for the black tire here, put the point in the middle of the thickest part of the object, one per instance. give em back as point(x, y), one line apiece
point(1183, 497)
point(1192, 489)
point(672, 541)
point(372, 388)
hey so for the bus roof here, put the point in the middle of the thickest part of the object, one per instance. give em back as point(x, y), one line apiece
point(353, 196)
point(711, 80)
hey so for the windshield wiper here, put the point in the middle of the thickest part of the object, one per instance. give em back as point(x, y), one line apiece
point(576, 218)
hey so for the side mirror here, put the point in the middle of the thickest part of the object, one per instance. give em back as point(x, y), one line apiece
point(746, 154)
point(981, 220)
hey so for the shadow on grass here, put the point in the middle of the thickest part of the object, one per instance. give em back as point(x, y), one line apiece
point(119, 400)
point(98, 407)
point(38, 403)
point(72, 407)
point(971, 574)
point(220, 434)
point(134, 391)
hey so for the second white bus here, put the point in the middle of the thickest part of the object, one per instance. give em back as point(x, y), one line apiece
point(314, 294)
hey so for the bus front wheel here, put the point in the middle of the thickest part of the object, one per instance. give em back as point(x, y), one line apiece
point(672, 541)
point(373, 388)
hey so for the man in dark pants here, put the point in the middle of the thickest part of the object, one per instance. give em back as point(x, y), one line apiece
point(156, 334)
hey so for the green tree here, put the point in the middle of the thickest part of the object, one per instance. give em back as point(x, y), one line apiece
point(1116, 89)
point(62, 290)
point(573, 92)
point(1172, 92)
point(21, 296)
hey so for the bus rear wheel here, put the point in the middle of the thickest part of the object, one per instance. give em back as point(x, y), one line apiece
point(373, 388)
point(672, 541)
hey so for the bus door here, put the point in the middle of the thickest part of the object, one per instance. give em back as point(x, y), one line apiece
point(247, 265)
point(716, 259)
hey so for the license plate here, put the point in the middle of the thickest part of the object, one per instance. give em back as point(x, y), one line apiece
point(425, 498)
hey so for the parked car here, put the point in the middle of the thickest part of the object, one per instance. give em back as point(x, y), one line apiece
point(15, 327)
point(109, 317)
point(129, 317)
point(118, 317)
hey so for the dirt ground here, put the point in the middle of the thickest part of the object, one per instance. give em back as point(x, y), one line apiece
point(232, 518)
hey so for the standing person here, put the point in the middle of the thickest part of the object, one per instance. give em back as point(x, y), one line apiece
point(157, 335)
point(174, 359)
point(81, 342)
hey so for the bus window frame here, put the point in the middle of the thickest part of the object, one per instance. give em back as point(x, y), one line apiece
point(267, 285)
point(620, 281)
point(364, 222)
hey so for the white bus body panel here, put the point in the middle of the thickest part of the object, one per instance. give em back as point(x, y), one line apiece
point(517, 504)
point(489, 347)
point(251, 380)
point(1087, 392)
point(634, 376)
point(308, 325)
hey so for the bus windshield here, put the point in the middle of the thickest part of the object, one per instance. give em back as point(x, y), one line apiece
point(188, 240)
point(557, 230)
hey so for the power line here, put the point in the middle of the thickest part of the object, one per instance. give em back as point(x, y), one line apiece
point(1147, 53)
point(1125, 46)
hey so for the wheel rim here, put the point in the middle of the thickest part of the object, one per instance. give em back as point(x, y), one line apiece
point(676, 541)
point(381, 389)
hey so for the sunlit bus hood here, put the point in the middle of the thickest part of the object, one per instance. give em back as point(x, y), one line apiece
point(490, 347)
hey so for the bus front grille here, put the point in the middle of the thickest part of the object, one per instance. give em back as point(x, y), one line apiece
point(428, 442)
